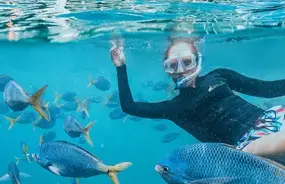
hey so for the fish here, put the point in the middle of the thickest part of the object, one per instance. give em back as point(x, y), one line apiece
point(44, 124)
point(47, 136)
point(25, 117)
point(13, 174)
point(95, 99)
point(117, 113)
point(217, 163)
point(100, 83)
point(4, 79)
point(18, 100)
point(67, 96)
point(73, 128)
point(161, 85)
point(169, 137)
point(160, 127)
point(69, 160)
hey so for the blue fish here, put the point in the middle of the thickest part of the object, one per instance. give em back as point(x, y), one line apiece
point(69, 160)
point(48, 137)
point(25, 117)
point(169, 137)
point(44, 124)
point(160, 127)
point(67, 96)
point(73, 128)
point(13, 174)
point(100, 83)
point(117, 114)
point(18, 100)
point(204, 163)
point(4, 79)
point(95, 99)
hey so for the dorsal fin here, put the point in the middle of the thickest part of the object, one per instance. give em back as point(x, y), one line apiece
point(71, 144)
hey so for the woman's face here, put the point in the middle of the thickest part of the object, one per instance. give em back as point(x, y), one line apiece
point(181, 51)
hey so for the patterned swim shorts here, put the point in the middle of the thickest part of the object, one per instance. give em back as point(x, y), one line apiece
point(270, 122)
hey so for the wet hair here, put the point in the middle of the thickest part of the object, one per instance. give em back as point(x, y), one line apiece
point(175, 41)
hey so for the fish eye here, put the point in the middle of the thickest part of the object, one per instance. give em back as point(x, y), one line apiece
point(165, 169)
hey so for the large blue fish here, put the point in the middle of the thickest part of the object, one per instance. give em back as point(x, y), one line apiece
point(214, 163)
point(18, 100)
point(69, 160)
point(13, 174)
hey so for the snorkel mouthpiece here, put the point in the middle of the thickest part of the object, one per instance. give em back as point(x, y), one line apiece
point(184, 81)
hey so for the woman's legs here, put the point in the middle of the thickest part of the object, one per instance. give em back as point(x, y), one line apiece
point(269, 146)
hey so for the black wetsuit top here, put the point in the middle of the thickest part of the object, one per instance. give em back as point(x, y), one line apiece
point(211, 112)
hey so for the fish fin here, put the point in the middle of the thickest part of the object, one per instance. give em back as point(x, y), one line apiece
point(41, 140)
point(5, 178)
point(86, 131)
point(91, 81)
point(125, 119)
point(114, 170)
point(11, 121)
point(35, 99)
point(17, 181)
point(25, 150)
point(25, 175)
point(57, 97)
point(54, 169)
point(17, 160)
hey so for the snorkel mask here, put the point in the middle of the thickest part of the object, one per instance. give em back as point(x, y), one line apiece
point(182, 64)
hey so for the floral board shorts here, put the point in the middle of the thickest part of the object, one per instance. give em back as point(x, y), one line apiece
point(270, 122)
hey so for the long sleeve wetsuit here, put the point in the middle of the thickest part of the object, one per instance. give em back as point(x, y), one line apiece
point(211, 111)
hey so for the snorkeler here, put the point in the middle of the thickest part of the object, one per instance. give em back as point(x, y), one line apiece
point(206, 106)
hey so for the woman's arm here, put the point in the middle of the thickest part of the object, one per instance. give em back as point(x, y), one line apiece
point(251, 86)
point(160, 110)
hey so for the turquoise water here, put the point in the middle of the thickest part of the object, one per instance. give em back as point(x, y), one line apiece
point(60, 43)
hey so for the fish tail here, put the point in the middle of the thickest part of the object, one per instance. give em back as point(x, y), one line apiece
point(57, 97)
point(107, 101)
point(114, 170)
point(35, 102)
point(86, 131)
point(11, 121)
point(91, 81)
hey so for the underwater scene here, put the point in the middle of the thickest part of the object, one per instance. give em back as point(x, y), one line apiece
point(142, 91)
